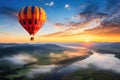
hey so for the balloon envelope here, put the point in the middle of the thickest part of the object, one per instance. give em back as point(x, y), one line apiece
point(32, 18)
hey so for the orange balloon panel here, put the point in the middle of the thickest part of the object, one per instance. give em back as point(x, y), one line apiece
point(32, 18)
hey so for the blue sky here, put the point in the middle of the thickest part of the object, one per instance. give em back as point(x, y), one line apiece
point(62, 15)
point(56, 12)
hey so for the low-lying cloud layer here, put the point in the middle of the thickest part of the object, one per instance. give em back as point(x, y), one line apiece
point(20, 59)
point(80, 52)
point(40, 69)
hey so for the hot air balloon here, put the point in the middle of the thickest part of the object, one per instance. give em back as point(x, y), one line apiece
point(32, 19)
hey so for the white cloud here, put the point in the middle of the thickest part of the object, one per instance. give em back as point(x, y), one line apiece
point(49, 4)
point(41, 69)
point(67, 6)
point(20, 59)
point(46, 4)
point(75, 28)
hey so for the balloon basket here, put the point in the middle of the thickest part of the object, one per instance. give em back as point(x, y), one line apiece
point(32, 38)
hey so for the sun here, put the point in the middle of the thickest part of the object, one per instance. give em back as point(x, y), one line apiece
point(87, 38)
point(87, 41)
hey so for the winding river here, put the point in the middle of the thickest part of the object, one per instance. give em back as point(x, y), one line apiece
point(98, 60)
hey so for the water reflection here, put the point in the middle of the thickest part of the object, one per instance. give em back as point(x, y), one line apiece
point(100, 61)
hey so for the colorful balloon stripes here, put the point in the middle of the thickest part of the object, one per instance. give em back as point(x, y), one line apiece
point(32, 18)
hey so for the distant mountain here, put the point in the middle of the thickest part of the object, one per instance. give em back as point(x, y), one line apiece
point(111, 48)
point(72, 44)
point(112, 45)
point(106, 44)
point(9, 49)
point(7, 44)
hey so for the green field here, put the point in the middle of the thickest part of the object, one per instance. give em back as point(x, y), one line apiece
point(92, 74)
